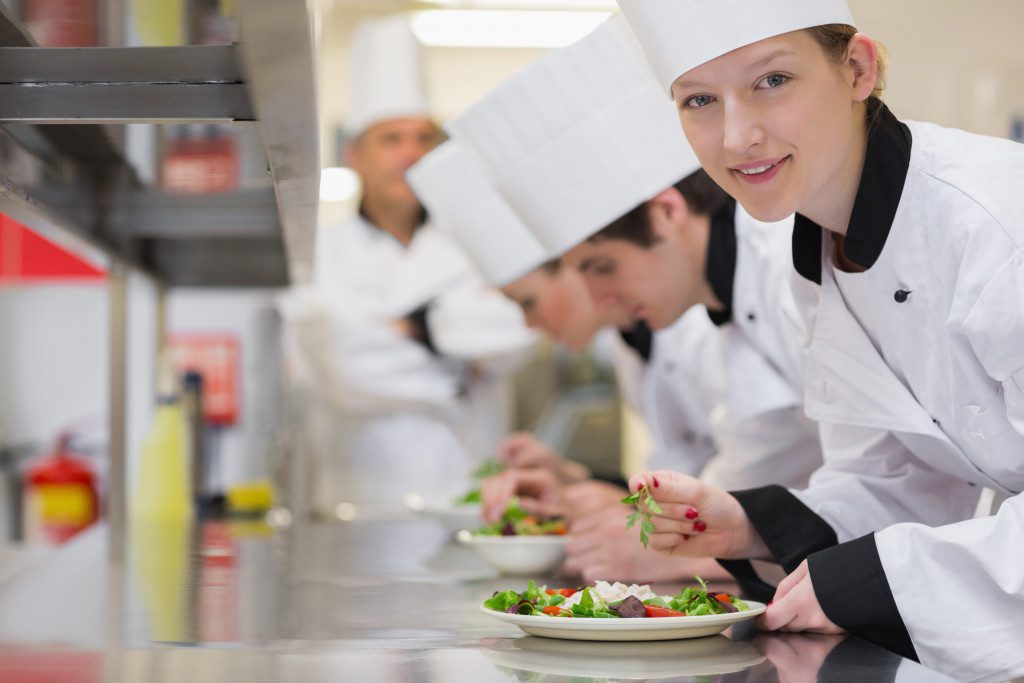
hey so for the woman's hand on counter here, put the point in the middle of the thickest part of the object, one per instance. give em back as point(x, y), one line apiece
point(697, 519)
point(795, 606)
point(536, 489)
point(522, 450)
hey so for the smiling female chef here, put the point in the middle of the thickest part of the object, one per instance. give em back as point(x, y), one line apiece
point(582, 137)
point(910, 243)
point(453, 185)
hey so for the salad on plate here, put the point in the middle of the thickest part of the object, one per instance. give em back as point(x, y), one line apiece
point(615, 601)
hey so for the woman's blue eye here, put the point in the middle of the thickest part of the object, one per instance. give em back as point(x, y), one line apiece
point(774, 80)
point(698, 101)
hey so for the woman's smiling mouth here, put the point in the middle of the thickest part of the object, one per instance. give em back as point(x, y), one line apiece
point(758, 172)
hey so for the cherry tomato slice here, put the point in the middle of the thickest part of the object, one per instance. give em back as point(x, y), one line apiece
point(556, 611)
point(656, 611)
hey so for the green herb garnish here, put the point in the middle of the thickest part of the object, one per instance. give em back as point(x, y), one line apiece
point(488, 468)
point(642, 516)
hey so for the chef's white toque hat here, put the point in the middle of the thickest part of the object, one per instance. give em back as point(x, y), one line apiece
point(579, 138)
point(386, 79)
point(453, 185)
point(678, 35)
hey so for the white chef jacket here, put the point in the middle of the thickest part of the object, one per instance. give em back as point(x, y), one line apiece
point(402, 417)
point(916, 372)
point(758, 422)
point(674, 385)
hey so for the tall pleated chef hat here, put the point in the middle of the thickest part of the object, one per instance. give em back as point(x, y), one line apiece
point(386, 79)
point(578, 138)
point(453, 185)
point(678, 35)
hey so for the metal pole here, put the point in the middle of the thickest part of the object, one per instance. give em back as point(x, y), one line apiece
point(117, 288)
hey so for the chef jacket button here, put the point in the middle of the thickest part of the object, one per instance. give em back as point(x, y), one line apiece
point(901, 296)
point(751, 317)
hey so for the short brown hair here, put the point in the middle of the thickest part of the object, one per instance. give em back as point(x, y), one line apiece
point(703, 197)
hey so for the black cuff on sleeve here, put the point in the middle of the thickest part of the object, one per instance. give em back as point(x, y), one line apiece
point(751, 585)
point(851, 588)
point(788, 527)
point(421, 330)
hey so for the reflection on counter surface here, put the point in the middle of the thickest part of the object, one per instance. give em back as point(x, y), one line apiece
point(388, 600)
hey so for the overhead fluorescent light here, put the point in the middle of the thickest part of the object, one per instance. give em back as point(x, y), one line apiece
point(516, 4)
point(338, 184)
point(503, 28)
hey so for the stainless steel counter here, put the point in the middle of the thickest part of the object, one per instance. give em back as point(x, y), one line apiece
point(386, 600)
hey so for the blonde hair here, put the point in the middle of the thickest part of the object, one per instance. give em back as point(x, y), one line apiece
point(835, 39)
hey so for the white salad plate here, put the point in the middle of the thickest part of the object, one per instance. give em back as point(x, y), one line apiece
point(657, 628)
point(710, 656)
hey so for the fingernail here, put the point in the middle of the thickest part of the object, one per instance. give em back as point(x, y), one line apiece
point(770, 602)
point(699, 526)
point(656, 484)
point(691, 514)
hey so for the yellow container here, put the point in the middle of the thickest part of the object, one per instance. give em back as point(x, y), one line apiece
point(162, 490)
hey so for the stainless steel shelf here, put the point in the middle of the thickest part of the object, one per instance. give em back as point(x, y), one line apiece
point(72, 183)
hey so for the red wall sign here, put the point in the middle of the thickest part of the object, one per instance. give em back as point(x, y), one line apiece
point(27, 257)
point(215, 356)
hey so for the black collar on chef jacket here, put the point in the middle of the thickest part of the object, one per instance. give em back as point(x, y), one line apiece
point(369, 221)
point(720, 269)
point(881, 186)
point(640, 339)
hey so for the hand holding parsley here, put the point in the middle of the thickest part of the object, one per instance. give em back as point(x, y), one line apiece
point(681, 515)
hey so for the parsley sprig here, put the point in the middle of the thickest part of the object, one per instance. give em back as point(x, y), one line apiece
point(642, 516)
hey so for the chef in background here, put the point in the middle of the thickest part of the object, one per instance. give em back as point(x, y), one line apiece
point(404, 347)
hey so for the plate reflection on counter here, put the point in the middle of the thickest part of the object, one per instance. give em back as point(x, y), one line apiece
point(708, 656)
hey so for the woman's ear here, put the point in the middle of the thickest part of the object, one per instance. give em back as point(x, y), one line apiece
point(667, 212)
point(862, 59)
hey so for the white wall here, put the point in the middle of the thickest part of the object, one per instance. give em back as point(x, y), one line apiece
point(953, 62)
point(53, 360)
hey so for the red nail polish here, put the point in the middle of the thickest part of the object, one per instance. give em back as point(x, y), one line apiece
point(770, 602)
point(686, 537)
point(656, 484)
point(699, 526)
point(691, 514)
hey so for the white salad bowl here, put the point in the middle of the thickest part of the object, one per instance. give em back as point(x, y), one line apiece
point(518, 555)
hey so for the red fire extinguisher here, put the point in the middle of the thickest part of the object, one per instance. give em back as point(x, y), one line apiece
point(60, 497)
